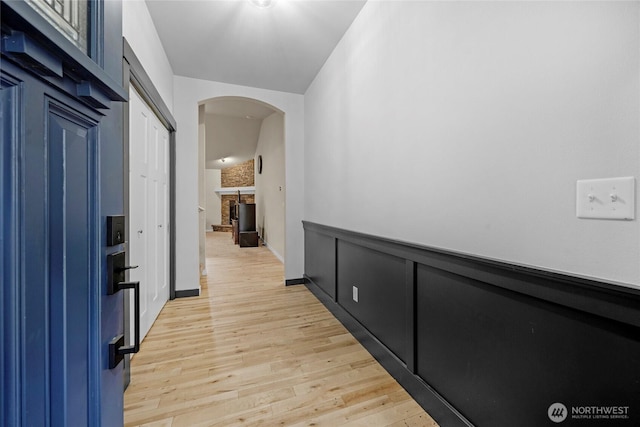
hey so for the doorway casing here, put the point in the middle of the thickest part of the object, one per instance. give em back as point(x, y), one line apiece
point(135, 75)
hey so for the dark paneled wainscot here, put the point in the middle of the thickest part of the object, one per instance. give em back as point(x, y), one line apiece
point(381, 297)
point(480, 342)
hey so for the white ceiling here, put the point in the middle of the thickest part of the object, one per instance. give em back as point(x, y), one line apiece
point(232, 130)
point(281, 48)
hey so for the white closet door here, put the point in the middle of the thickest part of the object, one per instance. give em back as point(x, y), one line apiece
point(148, 181)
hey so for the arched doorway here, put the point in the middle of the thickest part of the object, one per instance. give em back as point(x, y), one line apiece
point(241, 146)
point(189, 94)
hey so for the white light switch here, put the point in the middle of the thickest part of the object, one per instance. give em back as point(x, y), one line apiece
point(355, 293)
point(611, 198)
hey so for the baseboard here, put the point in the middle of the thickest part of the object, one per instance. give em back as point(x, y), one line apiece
point(275, 253)
point(188, 293)
point(291, 282)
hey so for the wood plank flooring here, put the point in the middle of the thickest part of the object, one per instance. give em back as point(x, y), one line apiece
point(250, 351)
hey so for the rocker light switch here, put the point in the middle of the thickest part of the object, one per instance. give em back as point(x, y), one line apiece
point(612, 198)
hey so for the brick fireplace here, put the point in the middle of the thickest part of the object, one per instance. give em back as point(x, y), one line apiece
point(238, 176)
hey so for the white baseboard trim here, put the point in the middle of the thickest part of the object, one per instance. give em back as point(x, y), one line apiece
point(280, 257)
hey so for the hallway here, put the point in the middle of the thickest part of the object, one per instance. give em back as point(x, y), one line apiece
point(250, 351)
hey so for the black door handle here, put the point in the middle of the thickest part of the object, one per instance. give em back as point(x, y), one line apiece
point(116, 282)
point(117, 349)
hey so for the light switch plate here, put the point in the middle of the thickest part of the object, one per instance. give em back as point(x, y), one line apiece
point(610, 198)
point(355, 293)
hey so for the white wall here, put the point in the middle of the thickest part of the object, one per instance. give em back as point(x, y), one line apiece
point(187, 93)
point(141, 34)
point(482, 116)
point(270, 184)
point(214, 201)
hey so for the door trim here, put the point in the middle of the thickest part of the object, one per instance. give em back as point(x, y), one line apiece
point(135, 74)
point(10, 249)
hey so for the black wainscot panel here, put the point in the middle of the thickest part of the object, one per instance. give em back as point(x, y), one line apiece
point(500, 356)
point(486, 343)
point(320, 261)
point(381, 306)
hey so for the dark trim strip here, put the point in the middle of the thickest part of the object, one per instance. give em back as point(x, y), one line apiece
point(610, 300)
point(126, 72)
point(187, 293)
point(143, 83)
point(10, 249)
point(299, 281)
point(334, 248)
point(410, 327)
point(172, 214)
point(437, 407)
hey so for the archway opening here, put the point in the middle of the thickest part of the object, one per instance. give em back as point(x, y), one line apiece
point(241, 161)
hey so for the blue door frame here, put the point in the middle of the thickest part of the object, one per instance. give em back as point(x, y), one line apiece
point(62, 173)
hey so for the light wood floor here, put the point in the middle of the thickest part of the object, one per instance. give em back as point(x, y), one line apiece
point(250, 351)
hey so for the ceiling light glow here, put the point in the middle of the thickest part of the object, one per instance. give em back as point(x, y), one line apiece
point(262, 4)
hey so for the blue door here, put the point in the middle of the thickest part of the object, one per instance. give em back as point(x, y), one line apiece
point(61, 161)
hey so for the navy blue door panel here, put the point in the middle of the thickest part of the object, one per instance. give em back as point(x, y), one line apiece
point(71, 166)
point(61, 158)
point(59, 289)
point(54, 343)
